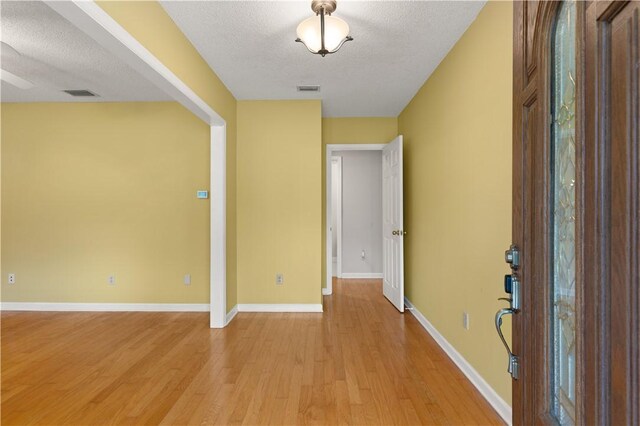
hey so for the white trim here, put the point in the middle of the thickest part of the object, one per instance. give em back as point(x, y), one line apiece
point(231, 315)
point(104, 307)
point(14, 80)
point(281, 307)
point(362, 275)
point(492, 397)
point(90, 18)
point(328, 288)
point(356, 147)
point(218, 240)
point(330, 149)
point(338, 223)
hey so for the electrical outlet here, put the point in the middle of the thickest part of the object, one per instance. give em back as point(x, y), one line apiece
point(12, 278)
point(279, 279)
point(111, 280)
point(187, 279)
point(465, 320)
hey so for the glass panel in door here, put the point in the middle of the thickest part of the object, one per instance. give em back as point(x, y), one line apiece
point(563, 177)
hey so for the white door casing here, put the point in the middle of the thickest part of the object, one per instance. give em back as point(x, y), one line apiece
point(392, 224)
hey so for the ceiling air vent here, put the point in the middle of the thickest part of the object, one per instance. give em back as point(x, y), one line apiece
point(80, 93)
point(308, 88)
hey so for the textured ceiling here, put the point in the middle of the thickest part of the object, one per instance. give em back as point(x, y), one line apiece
point(398, 44)
point(40, 46)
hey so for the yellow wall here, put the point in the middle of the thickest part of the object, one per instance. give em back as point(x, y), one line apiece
point(359, 130)
point(152, 27)
point(69, 189)
point(457, 133)
point(279, 207)
point(94, 189)
point(350, 130)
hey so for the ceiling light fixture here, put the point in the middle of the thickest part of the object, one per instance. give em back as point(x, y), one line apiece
point(325, 35)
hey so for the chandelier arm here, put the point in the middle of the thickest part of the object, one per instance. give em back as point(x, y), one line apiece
point(322, 48)
point(344, 40)
point(325, 52)
point(305, 45)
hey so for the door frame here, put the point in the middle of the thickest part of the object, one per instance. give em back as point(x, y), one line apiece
point(338, 224)
point(91, 19)
point(330, 149)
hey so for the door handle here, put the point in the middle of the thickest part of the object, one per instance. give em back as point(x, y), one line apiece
point(511, 287)
point(514, 364)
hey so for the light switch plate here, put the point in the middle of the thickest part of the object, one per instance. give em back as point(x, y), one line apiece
point(202, 194)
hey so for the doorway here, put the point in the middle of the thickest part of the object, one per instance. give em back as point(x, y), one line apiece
point(356, 214)
point(364, 216)
point(334, 226)
point(92, 20)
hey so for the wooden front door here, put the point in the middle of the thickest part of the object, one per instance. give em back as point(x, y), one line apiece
point(576, 212)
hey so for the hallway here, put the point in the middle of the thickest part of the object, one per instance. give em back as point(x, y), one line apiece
point(361, 362)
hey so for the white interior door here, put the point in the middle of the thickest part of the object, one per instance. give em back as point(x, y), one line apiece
point(392, 224)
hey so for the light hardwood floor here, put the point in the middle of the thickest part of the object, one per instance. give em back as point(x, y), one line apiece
point(361, 362)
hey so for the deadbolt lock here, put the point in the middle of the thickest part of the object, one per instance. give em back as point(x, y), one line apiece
point(512, 256)
point(512, 287)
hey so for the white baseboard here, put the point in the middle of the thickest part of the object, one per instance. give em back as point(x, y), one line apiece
point(326, 292)
point(104, 307)
point(499, 404)
point(230, 315)
point(282, 307)
point(362, 275)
